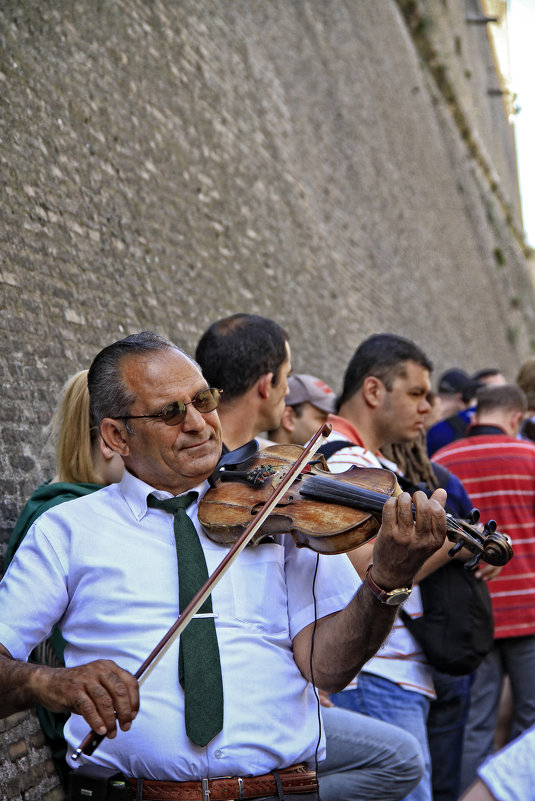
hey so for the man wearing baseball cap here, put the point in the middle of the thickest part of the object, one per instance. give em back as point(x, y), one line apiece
point(457, 390)
point(308, 403)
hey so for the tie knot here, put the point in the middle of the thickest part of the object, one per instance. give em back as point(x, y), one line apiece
point(172, 505)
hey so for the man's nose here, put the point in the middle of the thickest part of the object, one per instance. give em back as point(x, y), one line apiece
point(424, 406)
point(193, 420)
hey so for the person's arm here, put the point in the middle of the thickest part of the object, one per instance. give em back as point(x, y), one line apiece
point(478, 792)
point(343, 642)
point(100, 691)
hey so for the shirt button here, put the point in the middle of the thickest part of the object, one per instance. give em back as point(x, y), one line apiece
point(218, 754)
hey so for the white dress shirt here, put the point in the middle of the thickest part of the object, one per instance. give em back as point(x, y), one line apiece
point(104, 566)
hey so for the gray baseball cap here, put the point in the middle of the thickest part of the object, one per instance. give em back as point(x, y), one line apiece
point(307, 388)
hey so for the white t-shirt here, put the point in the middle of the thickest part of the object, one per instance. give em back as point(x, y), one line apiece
point(104, 566)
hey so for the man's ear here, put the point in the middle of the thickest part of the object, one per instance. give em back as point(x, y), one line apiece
point(288, 419)
point(106, 452)
point(516, 420)
point(264, 384)
point(115, 436)
point(373, 391)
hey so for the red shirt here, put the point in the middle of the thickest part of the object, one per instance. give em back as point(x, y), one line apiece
point(498, 473)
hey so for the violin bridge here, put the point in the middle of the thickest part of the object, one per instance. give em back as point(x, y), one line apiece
point(279, 477)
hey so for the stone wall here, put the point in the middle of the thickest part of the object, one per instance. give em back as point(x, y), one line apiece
point(164, 164)
point(27, 772)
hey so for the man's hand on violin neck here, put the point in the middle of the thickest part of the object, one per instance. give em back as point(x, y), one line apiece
point(407, 538)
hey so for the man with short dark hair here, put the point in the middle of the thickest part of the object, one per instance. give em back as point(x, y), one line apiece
point(105, 567)
point(488, 377)
point(498, 471)
point(384, 401)
point(365, 758)
point(248, 357)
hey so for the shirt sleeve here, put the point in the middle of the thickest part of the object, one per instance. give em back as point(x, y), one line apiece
point(33, 594)
point(509, 773)
point(318, 585)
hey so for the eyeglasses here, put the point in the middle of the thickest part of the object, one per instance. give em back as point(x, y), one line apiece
point(205, 401)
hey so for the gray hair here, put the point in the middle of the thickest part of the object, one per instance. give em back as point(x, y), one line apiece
point(108, 394)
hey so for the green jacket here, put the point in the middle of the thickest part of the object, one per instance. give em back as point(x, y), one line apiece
point(51, 651)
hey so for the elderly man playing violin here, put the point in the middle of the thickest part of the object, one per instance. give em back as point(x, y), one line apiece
point(235, 722)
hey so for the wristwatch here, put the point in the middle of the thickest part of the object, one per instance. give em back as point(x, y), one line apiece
point(388, 597)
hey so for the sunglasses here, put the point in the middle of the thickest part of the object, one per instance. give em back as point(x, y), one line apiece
point(205, 401)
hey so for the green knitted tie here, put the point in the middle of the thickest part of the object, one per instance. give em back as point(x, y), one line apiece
point(199, 668)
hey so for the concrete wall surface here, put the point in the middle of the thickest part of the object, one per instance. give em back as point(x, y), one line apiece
point(164, 164)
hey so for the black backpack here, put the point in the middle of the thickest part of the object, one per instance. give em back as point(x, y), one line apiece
point(456, 630)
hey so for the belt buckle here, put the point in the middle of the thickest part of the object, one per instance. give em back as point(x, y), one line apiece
point(205, 786)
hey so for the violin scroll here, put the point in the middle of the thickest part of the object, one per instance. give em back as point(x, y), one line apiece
point(488, 545)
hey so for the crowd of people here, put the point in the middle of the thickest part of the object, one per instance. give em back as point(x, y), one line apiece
point(298, 676)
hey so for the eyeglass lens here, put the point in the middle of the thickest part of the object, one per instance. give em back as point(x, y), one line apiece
point(204, 401)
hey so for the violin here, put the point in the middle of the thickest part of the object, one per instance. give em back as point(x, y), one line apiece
point(327, 512)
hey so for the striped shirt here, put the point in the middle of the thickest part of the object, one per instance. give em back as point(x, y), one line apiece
point(498, 473)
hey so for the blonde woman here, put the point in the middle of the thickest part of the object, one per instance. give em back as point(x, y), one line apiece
point(84, 463)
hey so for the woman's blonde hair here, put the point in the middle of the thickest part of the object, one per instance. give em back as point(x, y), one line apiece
point(75, 437)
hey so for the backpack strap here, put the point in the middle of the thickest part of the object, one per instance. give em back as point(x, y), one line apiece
point(408, 621)
point(331, 448)
point(458, 425)
point(408, 486)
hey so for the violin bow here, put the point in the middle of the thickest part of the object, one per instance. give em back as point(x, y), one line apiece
point(92, 740)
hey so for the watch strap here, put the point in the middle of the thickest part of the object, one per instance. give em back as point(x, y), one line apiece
point(388, 597)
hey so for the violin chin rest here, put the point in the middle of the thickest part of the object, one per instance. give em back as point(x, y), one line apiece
point(240, 455)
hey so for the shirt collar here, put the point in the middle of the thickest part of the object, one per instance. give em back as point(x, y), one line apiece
point(343, 426)
point(135, 493)
point(478, 429)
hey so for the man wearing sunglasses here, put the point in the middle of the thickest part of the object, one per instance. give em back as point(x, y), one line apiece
point(105, 567)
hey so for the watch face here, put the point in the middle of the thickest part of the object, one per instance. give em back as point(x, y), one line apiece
point(396, 597)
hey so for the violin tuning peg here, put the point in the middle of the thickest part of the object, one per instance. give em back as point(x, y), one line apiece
point(473, 516)
point(490, 526)
point(456, 548)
